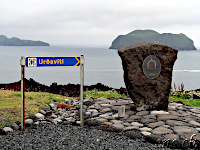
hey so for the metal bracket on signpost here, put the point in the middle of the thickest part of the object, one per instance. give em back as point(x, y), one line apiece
point(22, 63)
point(82, 61)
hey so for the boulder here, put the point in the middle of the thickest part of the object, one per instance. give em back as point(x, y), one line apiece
point(148, 74)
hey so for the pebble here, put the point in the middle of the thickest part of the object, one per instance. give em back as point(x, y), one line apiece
point(33, 117)
point(116, 121)
point(188, 136)
point(95, 114)
point(36, 123)
point(146, 133)
point(184, 129)
point(161, 130)
point(147, 120)
point(130, 128)
point(126, 124)
point(171, 136)
point(40, 116)
point(105, 105)
point(107, 123)
point(101, 120)
point(161, 112)
point(28, 121)
point(134, 117)
point(142, 113)
point(53, 116)
point(145, 129)
point(15, 126)
point(155, 124)
point(42, 112)
point(176, 123)
point(106, 110)
point(194, 123)
point(118, 126)
point(136, 124)
point(7, 129)
point(105, 115)
point(92, 110)
point(196, 110)
point(167, 117)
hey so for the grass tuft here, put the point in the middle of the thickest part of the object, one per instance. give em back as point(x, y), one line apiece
point(106, 94)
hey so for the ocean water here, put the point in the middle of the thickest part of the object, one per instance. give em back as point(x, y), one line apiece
point(102, 65)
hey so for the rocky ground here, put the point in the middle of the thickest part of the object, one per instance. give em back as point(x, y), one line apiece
point(51, 136)
point(177, 127)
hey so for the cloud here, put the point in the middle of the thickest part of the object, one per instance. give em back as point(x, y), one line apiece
point(96, 21)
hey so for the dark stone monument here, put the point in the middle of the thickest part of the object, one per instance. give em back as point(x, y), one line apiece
point(148, 74)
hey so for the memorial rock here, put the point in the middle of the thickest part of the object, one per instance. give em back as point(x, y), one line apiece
point(148, 74)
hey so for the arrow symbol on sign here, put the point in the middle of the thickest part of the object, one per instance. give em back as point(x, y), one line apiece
point(78, 61)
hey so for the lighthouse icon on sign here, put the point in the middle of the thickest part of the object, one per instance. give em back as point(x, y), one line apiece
point(32, 62)
point(151, 67)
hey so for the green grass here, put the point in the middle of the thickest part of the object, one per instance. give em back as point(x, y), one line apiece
point(106, 94)
point(191, 102)
point(10, 104)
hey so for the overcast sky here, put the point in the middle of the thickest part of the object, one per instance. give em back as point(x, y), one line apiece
point(96, 22)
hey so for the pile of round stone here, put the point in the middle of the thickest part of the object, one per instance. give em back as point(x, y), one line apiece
point(178, 124)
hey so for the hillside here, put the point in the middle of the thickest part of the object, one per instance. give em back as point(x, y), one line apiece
point(4, 41)
point(176, 41)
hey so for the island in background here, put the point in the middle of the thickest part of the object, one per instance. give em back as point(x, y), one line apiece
point(176, 41)
point(4, 41)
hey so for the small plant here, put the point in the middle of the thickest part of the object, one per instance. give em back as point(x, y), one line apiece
point(179, 92)
point(182, 87)
point(185, 96)
point(17, 94)
point(106, 94)
point(175, 87)
point(30, 98)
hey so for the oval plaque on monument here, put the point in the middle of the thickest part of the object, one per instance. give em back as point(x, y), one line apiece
point(151, 67)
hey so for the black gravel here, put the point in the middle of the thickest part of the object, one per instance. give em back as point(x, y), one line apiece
point(50, 136)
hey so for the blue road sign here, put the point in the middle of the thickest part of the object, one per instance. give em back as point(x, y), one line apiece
point(52, 61)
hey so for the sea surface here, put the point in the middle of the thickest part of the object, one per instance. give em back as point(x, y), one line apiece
point(102, 65)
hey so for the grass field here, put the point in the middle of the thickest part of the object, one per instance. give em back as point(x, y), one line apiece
point(191, 102)
point(10, 104)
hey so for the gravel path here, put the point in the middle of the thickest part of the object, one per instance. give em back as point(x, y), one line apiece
point(50, 136)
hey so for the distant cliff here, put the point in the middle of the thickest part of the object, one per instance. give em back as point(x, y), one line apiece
point(176, 41)
point(4, 41)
